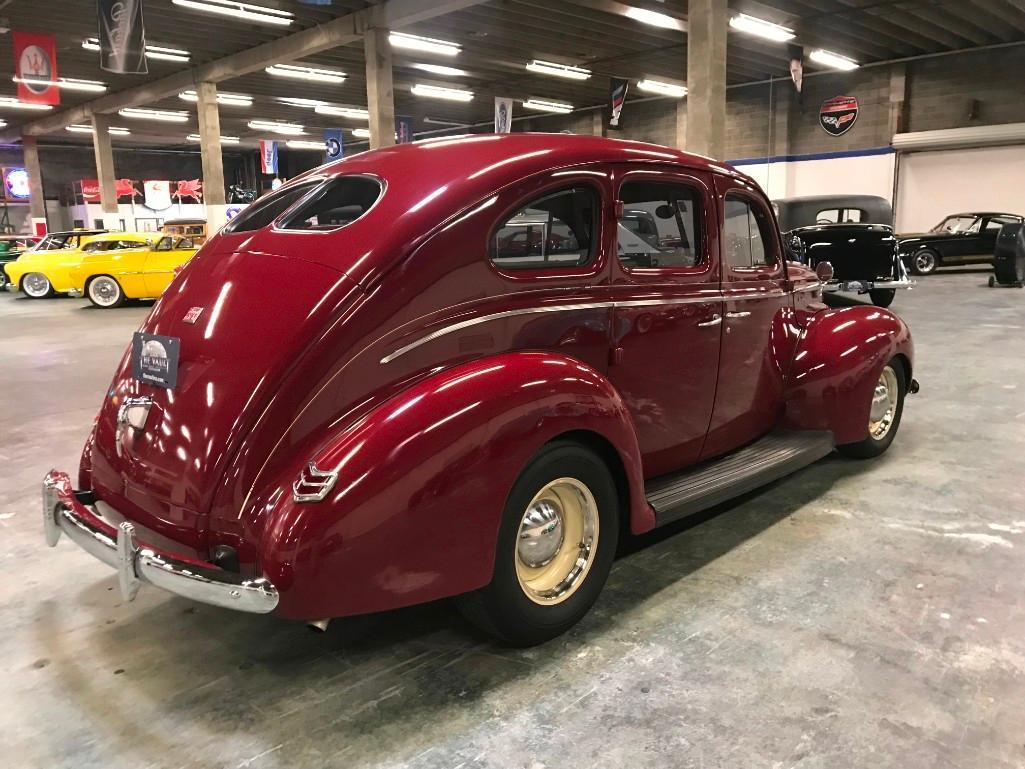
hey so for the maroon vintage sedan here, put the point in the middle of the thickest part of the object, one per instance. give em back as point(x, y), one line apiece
point(359, 396)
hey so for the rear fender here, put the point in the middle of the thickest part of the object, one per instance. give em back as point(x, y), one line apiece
point(837, 365)
point(422, 480)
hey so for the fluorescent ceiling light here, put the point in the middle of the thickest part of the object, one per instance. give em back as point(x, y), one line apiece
point(299, 144)
point(9, 102)
point(834, 60)
point(361, 133)
point(163, 115)
point(224, 139)
point(3, 123)
point(559, 70)
point(437, 92)
point(65, 83)
point(761, 28)
point(356, 113)
point(296, 101)
point(223, 97)
point(80, 128)
point(665, 89)
point(438, 69)
point(654, 18)
point(288, 129)
point(152, 51)
point(548, 106)
point(428, 44)
point(238, 10)
point(303, 72)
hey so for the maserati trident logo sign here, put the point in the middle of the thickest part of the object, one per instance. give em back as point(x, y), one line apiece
point(838, 115)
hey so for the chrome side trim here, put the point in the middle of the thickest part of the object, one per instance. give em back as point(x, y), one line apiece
point(136, 564)
point(810, 287)
point(445, 330)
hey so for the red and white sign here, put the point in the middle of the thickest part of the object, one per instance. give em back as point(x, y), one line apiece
point(189, 188)
point(123, 188)
point(35, 68)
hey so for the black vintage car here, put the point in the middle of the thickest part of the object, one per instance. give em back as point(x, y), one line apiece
point(854, 233)
point(958, 239)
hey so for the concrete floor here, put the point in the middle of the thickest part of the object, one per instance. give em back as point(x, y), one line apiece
point(854, 615)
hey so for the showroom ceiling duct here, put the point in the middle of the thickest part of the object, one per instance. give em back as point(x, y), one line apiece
point(957, 138)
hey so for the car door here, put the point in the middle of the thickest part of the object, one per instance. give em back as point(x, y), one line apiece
point(667, 318)
point(162, 260)
point(986, 242)
point(756, 340)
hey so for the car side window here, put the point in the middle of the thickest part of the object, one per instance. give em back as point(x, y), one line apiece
point(660, 225)
point(556, 230)
point(748, 240)
point(164, 244)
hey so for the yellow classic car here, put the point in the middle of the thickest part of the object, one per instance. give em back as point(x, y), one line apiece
point(129, 266)
point(43, 271)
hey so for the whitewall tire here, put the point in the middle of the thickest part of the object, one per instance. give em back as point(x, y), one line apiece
point(105, 292)
point(35, 285)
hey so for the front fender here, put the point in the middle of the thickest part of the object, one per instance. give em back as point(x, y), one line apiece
point(839, 358)
point(422, 481)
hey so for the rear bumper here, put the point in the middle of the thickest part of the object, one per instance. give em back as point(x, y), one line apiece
point(66, 511)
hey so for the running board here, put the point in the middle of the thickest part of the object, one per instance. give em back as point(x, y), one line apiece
point(769, 458)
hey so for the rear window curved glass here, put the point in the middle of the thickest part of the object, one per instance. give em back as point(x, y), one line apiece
point(267, 209)
point(339, 202)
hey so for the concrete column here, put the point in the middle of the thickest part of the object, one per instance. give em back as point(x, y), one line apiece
point(105, 171)
point(707, 22)
point(210, 149)
point(598, 127)
point(680, 141)
point(898, 100)
point(36, 203)
point(380, 92)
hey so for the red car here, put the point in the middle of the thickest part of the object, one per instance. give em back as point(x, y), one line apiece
point(354, 399)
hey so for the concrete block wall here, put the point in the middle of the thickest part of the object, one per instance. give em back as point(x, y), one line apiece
point(941, 89)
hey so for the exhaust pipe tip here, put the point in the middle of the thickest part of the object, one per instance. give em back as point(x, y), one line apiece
point(318, 625)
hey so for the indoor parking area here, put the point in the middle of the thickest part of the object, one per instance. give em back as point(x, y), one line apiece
point(501, 383)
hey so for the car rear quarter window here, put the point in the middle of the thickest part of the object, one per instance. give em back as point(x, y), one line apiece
point(267, 209)
point(339, 202)
point(552, 231)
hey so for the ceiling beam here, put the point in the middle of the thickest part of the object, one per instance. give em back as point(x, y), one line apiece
point(343, 30)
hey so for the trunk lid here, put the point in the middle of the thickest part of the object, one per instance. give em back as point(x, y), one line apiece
point(243, 319)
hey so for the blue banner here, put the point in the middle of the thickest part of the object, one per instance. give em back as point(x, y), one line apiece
point(334, 146)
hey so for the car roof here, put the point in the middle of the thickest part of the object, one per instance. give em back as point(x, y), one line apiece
point(184, 221)
point(141, 236)
point(838, 199)
point(984, 213)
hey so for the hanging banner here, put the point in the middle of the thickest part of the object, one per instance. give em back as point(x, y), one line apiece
point(125, 188)
point(403, 130)
point(838, 115)
point(334, 145)
point(503, 115)
point(122, 37)
point(617, 98)
point(268, 156)
point(797, 69)
point(35, 68)
point(157, 195)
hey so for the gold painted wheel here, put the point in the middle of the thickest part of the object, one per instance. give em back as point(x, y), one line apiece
point(884, 404)
point(557, 541)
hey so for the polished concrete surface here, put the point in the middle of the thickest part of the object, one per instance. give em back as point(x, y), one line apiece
point(854, 615)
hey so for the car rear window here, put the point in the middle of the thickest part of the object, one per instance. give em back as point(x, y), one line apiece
point(340, 202)
point(270, 207)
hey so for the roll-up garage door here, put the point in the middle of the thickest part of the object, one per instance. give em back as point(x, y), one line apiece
point(934, 184)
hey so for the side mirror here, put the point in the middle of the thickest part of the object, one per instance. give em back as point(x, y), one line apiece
point(824, 271)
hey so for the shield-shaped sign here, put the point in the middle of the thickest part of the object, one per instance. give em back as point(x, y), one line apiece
point(837, 115)
point(158, 195)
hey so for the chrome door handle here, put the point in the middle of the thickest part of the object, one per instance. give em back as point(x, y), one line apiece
point(737, 314)
point(715, 321)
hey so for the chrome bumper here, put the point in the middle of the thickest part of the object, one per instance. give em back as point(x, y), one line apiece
point(64, 512)
point(864, 286)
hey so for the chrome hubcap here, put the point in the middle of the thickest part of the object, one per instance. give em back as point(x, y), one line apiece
point(103, 290)
point(884, 404)
point(925, 261)
point(36, 284)
point(557, 541)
